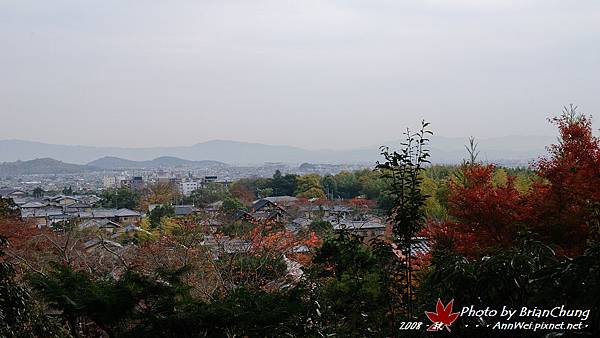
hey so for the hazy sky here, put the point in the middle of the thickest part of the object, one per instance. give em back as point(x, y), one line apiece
point(314, 74)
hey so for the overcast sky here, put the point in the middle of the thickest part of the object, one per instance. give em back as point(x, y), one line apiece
point(314, 74)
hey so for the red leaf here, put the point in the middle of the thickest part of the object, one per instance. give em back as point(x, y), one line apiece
point(443, 317)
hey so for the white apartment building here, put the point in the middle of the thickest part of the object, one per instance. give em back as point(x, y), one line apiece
point(187, 187)
point(109, 182)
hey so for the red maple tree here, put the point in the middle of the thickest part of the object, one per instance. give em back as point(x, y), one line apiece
point(565, 204)
point(482, 214)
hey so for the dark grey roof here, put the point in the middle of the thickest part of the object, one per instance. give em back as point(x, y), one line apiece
point(419, 246)
point(261, 204)
point(281, 199)
point(40, 212)
point(184, 210)
point(127, 213)
point(358, 225)
point(80, 205)
point(99, 223)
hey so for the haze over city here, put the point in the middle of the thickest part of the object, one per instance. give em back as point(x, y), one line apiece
point(310, 74)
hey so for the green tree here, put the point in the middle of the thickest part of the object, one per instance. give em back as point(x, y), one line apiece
point(283, 185)
point(312, 193)
point(371, 183)
point(308, 182)
point(38, 192)
point(329, 186)
point(405, 170)
point(120, 198)
point(347, 185)
point(351, 288)
point(264, 192)
point(212, 192)
point(115, 306)
point(231, 205)
point(156, 215)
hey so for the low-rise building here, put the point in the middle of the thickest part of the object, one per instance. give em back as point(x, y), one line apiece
point(187, 187)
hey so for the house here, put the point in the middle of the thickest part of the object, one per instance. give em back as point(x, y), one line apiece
point(281, 200)
point(264, 204)
point(368, 229)
point(89, 199)
point(317, 211)
point(224, 246)
point(95, 243)
point(42, 216)
point(131, 228)
point(242, 215)
point(214, 207)
point(78, 206)
point(34, 204)
point(184, 210)
point(62, 200)
point(52, 214)
point(126, 216)
point(263, 210)
point(102, 224)
point(314, 211)
point(11, 193)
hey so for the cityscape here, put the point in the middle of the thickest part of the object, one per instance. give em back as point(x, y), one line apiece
point(316, 168)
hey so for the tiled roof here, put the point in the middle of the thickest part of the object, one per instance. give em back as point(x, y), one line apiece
point(358, 225)
point(127, 213)
point(183, 210)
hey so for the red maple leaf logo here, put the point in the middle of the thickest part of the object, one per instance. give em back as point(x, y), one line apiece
point(442, 317)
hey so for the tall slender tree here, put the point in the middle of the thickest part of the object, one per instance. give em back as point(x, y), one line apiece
point(405, 169)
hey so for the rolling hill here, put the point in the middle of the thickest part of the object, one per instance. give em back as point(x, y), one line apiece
point(42, 166)
point(509, 149)
point(111, 162)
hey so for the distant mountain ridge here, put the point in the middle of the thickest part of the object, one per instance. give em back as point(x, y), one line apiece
point(42, 166)
point(443, 150)
point(111, 162)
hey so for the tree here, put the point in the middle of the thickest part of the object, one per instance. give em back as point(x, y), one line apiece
point(38, 192)
point(114, 306)
point(351, 288)
point(241, 192)
point(67, 191)
point(371, 183)
point(566, 203)
point(156, 215)
point(313, 192)
point(8, 208)
point(283, 185)
point(264, 192)
point(405, 170)
point(120, 198)
point(308, 182)
point(347, 184)
point(159, 193)
point(329, 186)
point(20, 314)
point(231, 205)
point(212, 192)
point(484, 215)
